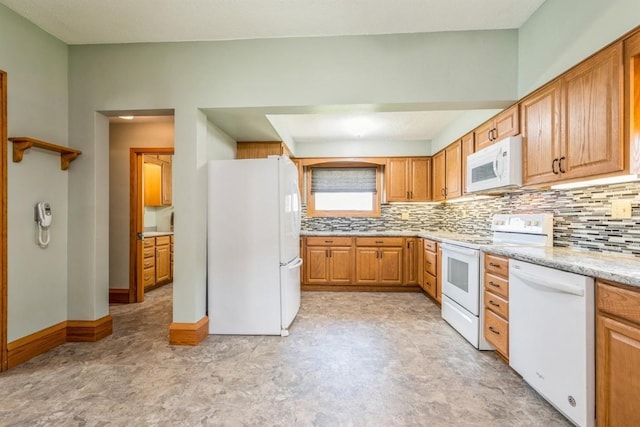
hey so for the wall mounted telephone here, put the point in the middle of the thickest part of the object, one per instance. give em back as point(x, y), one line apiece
point(43, 218)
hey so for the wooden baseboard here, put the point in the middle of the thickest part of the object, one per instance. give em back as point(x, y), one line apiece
point(119, 296)
point(189, 333)
point(361, 288)
point(89, 330)
point(32, 345)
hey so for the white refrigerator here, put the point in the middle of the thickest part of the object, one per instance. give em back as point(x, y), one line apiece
point(253, 246)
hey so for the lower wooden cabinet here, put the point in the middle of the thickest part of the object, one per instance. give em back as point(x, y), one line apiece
point(496, 303)
point(430, 268)
point(157, 261)
point(328, 260)
point(617, 355)
point(377, 262)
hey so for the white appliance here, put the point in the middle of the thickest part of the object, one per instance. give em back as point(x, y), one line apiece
point(253, 243)
point(497, 167)
point(551, 337)
point(463, 270)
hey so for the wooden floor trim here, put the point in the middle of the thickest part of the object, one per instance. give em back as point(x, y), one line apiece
point(189, 333)
point(119, 296)
point(89, 330)
point(32, 345)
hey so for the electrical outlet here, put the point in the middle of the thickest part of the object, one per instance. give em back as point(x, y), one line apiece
point(621, 209)
point(404, 216)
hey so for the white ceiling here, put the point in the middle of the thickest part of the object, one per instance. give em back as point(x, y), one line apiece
point(129, 21)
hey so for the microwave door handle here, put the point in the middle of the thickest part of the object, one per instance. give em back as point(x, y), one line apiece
point(495, 164)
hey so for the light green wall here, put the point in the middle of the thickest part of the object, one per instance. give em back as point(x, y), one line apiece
point(429, 68)
point(562, 33)
point(36, 66)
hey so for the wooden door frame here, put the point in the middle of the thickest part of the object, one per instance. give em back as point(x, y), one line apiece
point(3, 222)
point(136, 209)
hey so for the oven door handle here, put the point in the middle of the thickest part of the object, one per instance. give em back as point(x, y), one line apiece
point(459, 250)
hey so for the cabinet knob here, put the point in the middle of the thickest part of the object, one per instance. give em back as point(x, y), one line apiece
point(553, 166)
point(560, 168)
point(494, 331)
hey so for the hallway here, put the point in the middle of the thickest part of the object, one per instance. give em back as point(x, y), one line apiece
point(361, 359)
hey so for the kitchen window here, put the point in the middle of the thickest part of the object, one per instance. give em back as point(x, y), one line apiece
point(344, 190)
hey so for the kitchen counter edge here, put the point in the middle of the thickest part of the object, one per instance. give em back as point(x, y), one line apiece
point(620, 268)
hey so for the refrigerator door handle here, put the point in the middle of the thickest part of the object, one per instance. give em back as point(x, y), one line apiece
point(292, 265)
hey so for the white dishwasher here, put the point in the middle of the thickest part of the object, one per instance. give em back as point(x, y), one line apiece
point(551, 336)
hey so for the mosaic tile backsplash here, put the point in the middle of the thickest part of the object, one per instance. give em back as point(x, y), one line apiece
point(582, 217)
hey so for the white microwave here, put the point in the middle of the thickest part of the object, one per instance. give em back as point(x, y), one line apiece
point(496, 168)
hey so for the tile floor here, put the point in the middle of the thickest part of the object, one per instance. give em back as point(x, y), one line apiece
point(352, 359)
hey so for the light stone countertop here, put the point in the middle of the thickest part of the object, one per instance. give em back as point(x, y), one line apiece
point(157, 233)
point(615, 267)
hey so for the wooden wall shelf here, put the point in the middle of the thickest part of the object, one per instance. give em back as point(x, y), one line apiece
point(21, 143)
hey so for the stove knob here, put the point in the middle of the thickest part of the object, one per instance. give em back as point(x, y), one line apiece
point(535, 223)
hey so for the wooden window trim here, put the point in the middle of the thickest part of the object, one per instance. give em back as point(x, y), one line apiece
point(375, 212)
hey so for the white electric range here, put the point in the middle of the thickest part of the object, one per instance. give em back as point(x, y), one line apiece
point(463, 269)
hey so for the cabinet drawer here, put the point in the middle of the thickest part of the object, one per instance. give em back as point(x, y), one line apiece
point(148, 276)
point(149, 262)
point(496, 331)
point(496, 304)
point(329, 241)
point(150, 252)
point(149, 242)
point(497, 265)
point(430, 263)
point(429, 284)
point(620, 302)
point(163, 240)
point(379, 241)
point(496, 284)
point(429, 245)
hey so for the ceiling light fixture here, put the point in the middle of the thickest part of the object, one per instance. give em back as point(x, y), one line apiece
point(126, 117)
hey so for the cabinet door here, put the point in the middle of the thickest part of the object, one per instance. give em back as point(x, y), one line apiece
point(367, 265)
point(420, 179)
point(439, 275)
point(632, 99)
point(391, 266)
point(163, 263)
point(340, 265)
point(316, 265)
point(540, 115)
point(397, 173)
point(167, 183)
point(152, 177)
point(507, 123)
point(411, 252)
point(591, 102)
point(453, 184)
point(618, 376)
point(439, 170)
point(482, 135)
point(468, 147)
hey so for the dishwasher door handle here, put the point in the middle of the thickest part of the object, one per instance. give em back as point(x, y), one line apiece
point(554, 286)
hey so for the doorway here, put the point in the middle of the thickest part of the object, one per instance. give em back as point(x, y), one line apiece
point(3, 222)
point(139, 246)
point(132, 136)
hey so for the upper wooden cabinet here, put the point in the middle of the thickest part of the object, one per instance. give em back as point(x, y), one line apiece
point(447, 172)
point(408, 179)
point(572, 127)
point(540, 115)
point(157, 171)
point(632, 100)
point(261, 149)
point(501, 126)
point(468, 147)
